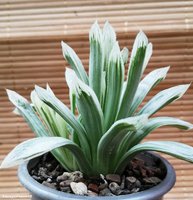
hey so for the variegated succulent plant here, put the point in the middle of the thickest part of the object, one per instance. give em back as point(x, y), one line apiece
point(104, 128)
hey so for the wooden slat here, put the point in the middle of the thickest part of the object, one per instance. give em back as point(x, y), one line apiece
point(30, 53)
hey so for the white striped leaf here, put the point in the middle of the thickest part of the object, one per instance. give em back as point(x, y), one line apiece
point(163, 98)
point(66, 114)
point(145, 86)
point(35, 147)
point(96, 60)
point(175, 149)
point(125, 55)
point(157, 122)
point(134, 73)
point(74, 62)
point(89, 108)
point(25, 109)
point(109, 40)
point(115, 78)
point(110, 141)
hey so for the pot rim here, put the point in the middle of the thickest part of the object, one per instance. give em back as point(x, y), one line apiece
point(45, 192)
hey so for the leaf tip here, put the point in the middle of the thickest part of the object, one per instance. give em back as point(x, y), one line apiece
point(142, 39)
point(6, 164)
point(95, 32)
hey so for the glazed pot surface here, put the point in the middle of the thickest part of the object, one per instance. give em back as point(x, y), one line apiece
point(41, 192)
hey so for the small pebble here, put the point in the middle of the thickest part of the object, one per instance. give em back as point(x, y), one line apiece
point(65, 183)
point(113, 178)
point(130, 182)
point(106, 192)
point(152, 180)
point(43, 172)
point(143, 172)
point(76, 176)
point(63, 177)
point(115, 188)
point(78, 188)
point(122, 186)
point(50, 185)
point(93, 187)
point(49, 180)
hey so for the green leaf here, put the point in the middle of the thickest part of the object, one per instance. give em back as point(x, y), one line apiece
point(66, 114)
point(35, 147)
point(136, 66)
point(96, 60)
point(74, 62)
point(89, 108)
point(115, 78)
point(125, 55)
point(109, 40)
point(175, 149)
point(48, 115)
point(110, 141)
point(25, 109)
point(157, 122)
point(148, 54)
point(163, 98)
point(145, 86)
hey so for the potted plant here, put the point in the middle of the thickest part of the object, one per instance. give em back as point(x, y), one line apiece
point(100, 136)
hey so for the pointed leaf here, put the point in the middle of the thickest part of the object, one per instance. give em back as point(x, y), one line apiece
point(163, 98)
point(96, 60)
point(52, 120)
point(157, 122)
point(109, 40)
point(89, 108)
point(148, 54)
point(25, 109)
point(35, 147)
point(66, 114)
point(145, 86)
point(115, 78)
point(125, 55)
point(175, 149)
point(134, 73)
point(74, 62)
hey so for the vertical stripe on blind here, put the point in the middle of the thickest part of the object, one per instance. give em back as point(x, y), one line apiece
point(30, 53)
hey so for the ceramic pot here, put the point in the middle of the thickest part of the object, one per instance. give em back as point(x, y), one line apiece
point(41, 192)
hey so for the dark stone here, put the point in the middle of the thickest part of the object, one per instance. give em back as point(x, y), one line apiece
point(63, 177)
point(65, 183)
point(152, 180)
point(93, 187)
point(113, 178)
point(130, 182)
point(122, 186)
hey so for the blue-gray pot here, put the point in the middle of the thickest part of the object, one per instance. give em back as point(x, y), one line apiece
point(41, 192)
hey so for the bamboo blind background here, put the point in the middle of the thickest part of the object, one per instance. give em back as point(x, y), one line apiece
point(30, 53)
